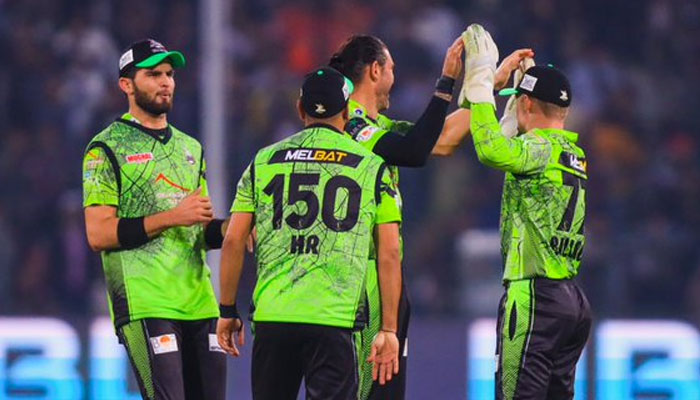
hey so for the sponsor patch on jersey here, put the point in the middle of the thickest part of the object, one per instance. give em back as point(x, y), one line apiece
point(572, 161)
point(366, 134)
point(357, 126)
point(164, 343)
point(214, 343)
point(140, 158)
point(189, 157)
point(92, 164)
point(331, 156)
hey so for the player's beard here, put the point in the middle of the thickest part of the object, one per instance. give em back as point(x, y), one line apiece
point(151, 105)
point(383, 102)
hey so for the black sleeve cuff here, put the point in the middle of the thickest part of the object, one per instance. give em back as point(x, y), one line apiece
point(212, 234)
point(131, 233)
point(228, 311)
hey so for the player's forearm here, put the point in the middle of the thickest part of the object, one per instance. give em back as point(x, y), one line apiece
point(389, 271)
point(454, 131)
point(232, 255)
point(155, 224)
point(492, 147)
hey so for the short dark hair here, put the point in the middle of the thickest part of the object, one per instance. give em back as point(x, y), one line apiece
point(130, 73)
point(357, 52)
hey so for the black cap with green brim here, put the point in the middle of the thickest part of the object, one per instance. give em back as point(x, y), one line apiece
point(543, 83)
point(325, 92)
point(148, 54)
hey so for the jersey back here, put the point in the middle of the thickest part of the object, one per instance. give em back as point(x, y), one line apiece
point(542, 214)
point(317, 197)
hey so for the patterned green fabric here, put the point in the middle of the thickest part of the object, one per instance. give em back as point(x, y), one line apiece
point(127, 167)
point(368, 132)
point(518, 321)
point(317, 197)
point(544, 196)
point(366, 336)
point(136, 341)
point(375, 130)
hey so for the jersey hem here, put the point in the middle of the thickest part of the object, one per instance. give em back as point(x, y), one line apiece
point(338, 323)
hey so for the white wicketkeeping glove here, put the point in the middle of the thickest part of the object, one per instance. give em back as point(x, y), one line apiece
point(480, 67)
point(509, 120)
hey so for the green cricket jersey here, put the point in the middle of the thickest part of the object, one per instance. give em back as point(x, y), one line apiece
point(317, 197)
point(367, 132)
point(141, 173)
point(544, 196)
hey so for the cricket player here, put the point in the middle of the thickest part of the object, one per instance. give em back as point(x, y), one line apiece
point(544, 318)
point(366, 60)
point(147, 212)
point(321, 204)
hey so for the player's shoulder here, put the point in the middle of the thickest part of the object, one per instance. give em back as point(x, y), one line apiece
point(362, 129)
point(109, 136)
point(184, 137)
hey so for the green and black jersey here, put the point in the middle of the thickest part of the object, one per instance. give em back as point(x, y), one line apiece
point(317, 197)
point(367, 132)
point(142, 172)
point(544, 196)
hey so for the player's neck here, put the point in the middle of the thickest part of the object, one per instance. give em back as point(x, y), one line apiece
point(148, 120)
point(367, 99)
point(538, 121)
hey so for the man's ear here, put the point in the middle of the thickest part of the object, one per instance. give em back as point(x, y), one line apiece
point(300, 111)
point(126, 85)
point(374, 71)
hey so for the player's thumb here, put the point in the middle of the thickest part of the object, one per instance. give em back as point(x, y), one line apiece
point(372, 354)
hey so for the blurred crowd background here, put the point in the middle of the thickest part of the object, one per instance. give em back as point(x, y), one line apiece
point(633, 66)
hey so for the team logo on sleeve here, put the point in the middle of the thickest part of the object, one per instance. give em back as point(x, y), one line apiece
point(572, 161)
point(360, 129)
point(140, 158)
point(93, 160)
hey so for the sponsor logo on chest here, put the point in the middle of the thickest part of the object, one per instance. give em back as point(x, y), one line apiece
point(140, 158)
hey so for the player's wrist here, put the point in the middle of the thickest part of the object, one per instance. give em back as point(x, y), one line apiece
point(228, 311)
point(445, 85)
point(388, 329)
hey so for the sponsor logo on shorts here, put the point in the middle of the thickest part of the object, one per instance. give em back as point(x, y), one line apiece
point(164, 343)
point(140, 158)
point(214, 344)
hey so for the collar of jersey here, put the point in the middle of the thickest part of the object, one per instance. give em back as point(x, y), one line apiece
point(570, 136)
point(324, 126)
point(129, 119)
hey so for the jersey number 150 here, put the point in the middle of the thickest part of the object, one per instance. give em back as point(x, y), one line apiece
point(330, 193)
